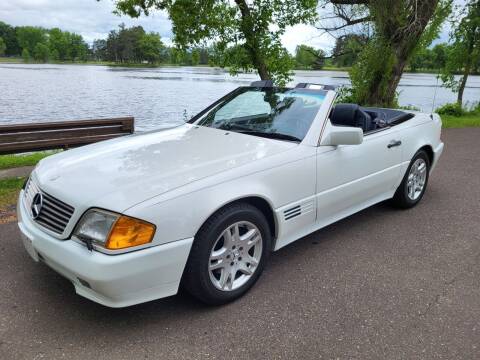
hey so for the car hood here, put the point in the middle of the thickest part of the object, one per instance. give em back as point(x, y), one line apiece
point(120, 173)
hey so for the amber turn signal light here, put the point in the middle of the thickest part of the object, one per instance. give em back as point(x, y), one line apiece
point(128, 232)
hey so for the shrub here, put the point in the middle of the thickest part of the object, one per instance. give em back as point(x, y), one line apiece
point(452, 109)
point(409, 107)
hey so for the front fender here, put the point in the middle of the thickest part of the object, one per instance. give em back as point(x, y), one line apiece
point(182, 216)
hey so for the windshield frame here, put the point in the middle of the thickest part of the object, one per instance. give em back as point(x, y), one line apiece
point(323, 109)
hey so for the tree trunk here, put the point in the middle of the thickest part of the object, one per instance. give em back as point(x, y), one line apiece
point(463, 83)
point(400, 36)
point(461, 89)
point(251, 42)
point(392, 86)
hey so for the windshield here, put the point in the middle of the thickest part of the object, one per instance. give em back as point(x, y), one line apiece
point(285, 114)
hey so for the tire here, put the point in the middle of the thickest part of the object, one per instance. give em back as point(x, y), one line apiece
point(215, 255)
point(415, 178)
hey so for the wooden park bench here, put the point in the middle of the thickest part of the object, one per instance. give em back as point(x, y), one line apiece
point(18, 138)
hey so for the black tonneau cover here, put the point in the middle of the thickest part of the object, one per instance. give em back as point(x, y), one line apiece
point(388, 116)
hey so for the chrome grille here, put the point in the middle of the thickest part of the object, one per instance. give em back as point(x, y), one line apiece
point(54, 214)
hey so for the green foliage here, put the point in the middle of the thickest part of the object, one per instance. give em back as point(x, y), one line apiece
point(451, 109)
point(29, 36)
point(254, 26)
point(41, 52)
point(43, 44)
point(439, 55)
point(370, 74)
point(344, 95)
point(26, 55)
point(307, 57)
point(467, 120)
point(408, 107)
point(150, 47)
point(195, 57)
point(434, 26)
point(130, 45)
point(347, 48)
point(400, 28)
point(11, 161)
point(464, 53)
point(9, 189)
point(3, 47)
point(9, 36)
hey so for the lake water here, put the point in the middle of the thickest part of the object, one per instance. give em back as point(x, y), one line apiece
point(159, 97)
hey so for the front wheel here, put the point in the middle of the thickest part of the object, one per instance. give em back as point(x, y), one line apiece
point(414, 183)
point(228, 254)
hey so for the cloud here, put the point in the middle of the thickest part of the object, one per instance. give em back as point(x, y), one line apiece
point(90, 18)
point(308, 35)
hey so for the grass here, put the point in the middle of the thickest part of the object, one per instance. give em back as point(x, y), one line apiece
point(10, 60)
point(468, 120)
point(11, 161)
point(9, 189)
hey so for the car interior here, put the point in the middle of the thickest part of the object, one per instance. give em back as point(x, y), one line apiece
point(368, 119)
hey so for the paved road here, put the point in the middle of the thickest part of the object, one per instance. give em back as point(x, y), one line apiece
point(15, 172)
point(382, 284)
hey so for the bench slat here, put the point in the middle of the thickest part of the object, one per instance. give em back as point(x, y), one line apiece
point(45, 136)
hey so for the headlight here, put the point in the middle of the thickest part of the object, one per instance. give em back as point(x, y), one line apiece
point(113, 231)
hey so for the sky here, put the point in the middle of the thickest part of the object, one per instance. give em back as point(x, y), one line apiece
point(93, 20)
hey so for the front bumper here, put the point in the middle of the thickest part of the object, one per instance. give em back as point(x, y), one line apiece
point(111, 280)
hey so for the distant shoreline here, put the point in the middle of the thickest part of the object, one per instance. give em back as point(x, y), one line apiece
point(14, 60)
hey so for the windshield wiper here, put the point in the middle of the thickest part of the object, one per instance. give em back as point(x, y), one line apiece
point(271, 135)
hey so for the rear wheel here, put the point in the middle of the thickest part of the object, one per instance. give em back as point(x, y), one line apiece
point(228, 254)
point(414, 183)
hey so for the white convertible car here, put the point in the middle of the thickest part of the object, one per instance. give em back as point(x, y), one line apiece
point(203, 204)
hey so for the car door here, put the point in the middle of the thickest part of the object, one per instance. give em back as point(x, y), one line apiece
point(352, 177)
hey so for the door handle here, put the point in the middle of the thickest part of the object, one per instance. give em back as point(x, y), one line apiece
point(394, 143)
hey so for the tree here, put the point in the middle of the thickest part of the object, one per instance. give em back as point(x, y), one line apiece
point(113, 46)
point(464, 53)
point(29, 36)
point(7, 33)
point(195, 57)
point(255, 26)
point(347, 49)
point(422, 59)
point(58, 43)
point(306, 57)
point(400, 28)
point(99, 49)
point(3, 47)
point(26, 55)
point(439, 56)
point(204, 56)
point(77, 47)
point(150, 47)
point(41, 52)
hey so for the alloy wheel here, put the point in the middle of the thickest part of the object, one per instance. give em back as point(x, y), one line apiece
point(416, 179)
point(235, 256)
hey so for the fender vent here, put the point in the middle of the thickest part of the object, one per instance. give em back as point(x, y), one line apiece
point(292, 212)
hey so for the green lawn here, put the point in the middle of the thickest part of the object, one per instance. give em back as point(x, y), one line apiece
point(9, 189)
point(469, 120)
point(11, 161)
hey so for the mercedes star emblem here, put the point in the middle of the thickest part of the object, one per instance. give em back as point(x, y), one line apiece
point(37, 204)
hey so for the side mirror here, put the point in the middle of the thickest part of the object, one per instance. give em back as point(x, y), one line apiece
point(343, 135)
